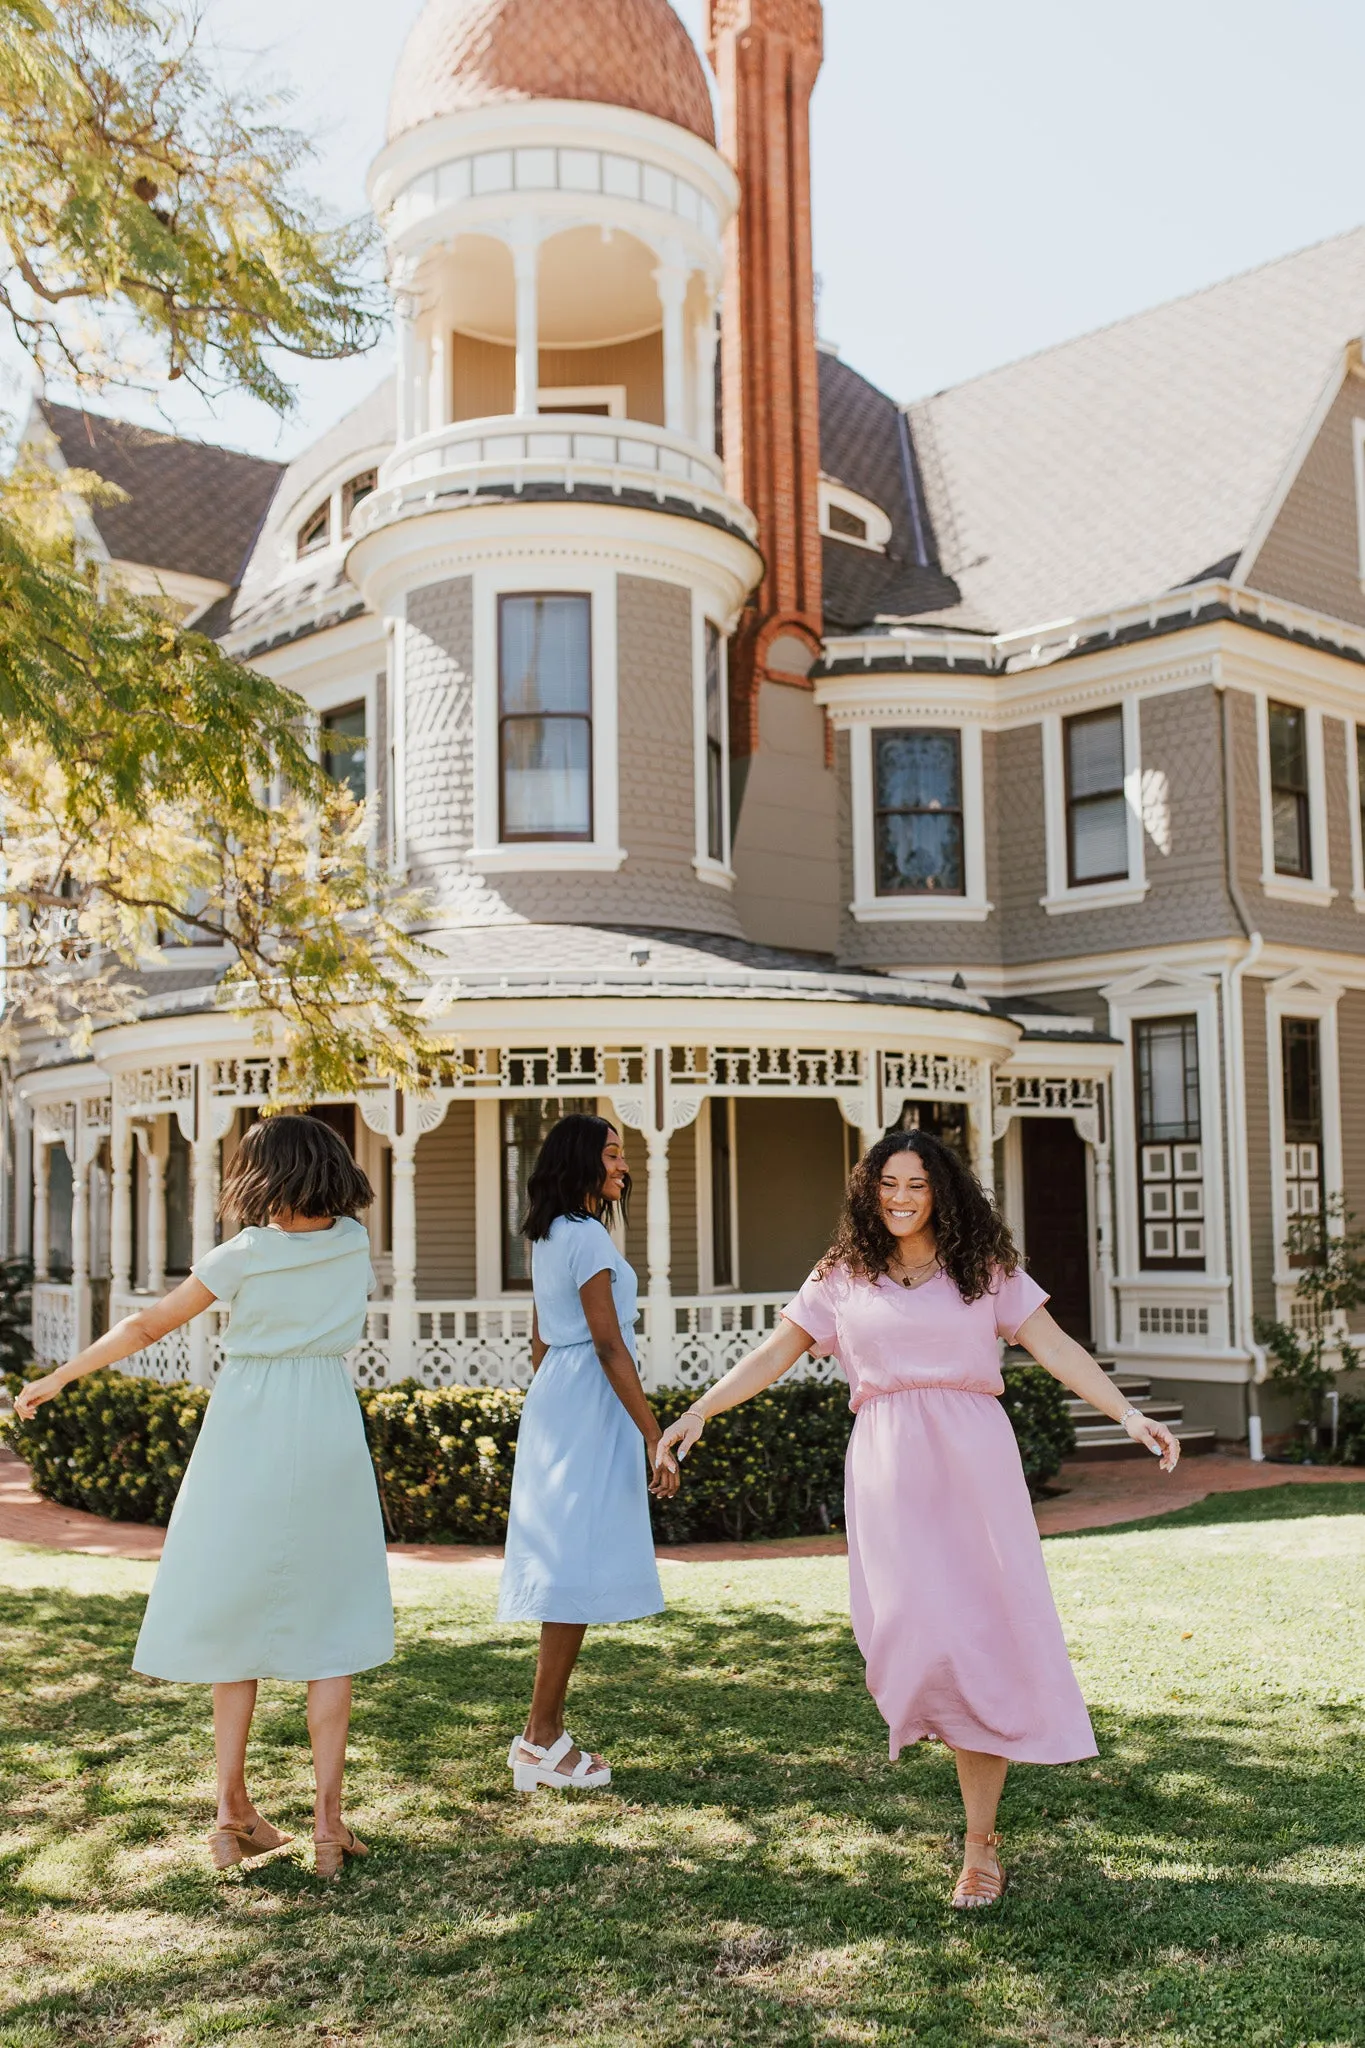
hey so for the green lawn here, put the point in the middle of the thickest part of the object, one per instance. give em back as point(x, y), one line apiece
point(760, 1874)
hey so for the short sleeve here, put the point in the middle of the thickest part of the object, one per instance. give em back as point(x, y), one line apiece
point(1016, 1296)
point(813, 1311)
point(224, 1269)
point(588, 1250)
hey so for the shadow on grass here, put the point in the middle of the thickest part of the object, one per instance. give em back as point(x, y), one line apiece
point(759, 1872)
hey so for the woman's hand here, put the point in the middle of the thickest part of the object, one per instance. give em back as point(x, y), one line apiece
point(680, 1436)
point(30, 1399)
point(665, 1478)
point(1155, 1435)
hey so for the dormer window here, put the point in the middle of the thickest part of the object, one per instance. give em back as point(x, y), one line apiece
point(316, 531)
point(848, 516)
point(352, 494)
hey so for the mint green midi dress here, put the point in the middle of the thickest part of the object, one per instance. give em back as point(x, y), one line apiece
point(274, 1564)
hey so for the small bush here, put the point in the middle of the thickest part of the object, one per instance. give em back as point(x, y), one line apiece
point(119, 1446)
point(1351, 1430)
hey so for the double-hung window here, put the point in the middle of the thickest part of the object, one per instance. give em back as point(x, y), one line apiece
point(342, 735)
point(917, 781)
point(715, 744)
point(1301, 1066)
point(525, 1127)
point(1170, 1143)
point(1290, 818)
point(545, 717)
point(1096, 807)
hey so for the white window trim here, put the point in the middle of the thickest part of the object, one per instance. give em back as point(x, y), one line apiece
point(878, 525)
point(1299, 995)
point(1353, 795)
point(1358, 463)
point(566, 396)
point(869, 908)
point(1062, 896)
point(603, 853)
point(1310, 889)
point(719, 873)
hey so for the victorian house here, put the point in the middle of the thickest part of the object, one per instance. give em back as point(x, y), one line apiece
point(782, 763)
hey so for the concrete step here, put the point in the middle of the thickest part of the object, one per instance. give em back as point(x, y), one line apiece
point(1161, 1411)
point(1106, 1440)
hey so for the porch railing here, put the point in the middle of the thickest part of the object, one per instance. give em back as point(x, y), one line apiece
point(463, 1343)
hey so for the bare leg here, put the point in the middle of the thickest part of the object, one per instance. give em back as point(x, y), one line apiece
point(982, 1779)
point(560, 1643)
point(233, 1707)
point(329, 1722)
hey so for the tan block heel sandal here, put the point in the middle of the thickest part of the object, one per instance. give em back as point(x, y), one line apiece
point(232, 1845)
point(331, 1857)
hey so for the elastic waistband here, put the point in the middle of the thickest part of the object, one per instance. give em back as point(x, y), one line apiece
point(930, 1387)
point(284, 1357)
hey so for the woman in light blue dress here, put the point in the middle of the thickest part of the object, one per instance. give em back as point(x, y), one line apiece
point(274, 1563)
point(579, 1544)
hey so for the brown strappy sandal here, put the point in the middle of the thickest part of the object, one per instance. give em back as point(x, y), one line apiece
point(232, 1845)
point(330, 1858)
point(977, 1888)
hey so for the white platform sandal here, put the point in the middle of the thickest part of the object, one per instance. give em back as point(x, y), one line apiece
point(545, 1771)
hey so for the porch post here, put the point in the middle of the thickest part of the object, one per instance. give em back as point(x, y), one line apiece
point(156, 1215)
point(203, 1160)
point(983, 1126)
point(1104, 1234)
point(526, 265)
point(403, 1305)
point(80, 1234)
point(120, 1204)
point(659, 1244)
point(42, 1225)
point(671, 282)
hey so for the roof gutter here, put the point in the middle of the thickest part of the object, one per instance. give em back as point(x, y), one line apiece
point(1234, 1059)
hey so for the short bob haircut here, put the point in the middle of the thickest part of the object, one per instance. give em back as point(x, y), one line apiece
point(972, 1238)
point(567, 1178)
point(296, 1163)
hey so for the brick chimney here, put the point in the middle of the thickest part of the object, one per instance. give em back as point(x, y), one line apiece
point(767, 56)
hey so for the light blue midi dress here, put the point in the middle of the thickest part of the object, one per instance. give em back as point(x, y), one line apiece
point(274, 1564)
point(579, 1543)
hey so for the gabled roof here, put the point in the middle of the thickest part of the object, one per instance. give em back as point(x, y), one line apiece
point(190, 507)
point(1130, 461)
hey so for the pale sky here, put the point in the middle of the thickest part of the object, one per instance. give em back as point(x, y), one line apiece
point(991, 176)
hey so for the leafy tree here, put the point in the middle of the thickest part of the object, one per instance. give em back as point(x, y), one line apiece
point(1329, 1254)
point(151, 225)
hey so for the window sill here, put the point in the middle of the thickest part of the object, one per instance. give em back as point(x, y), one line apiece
point(568, 856)
point(1094, 896)
point(716, 873)
point(1298, 889)
point(921, 910)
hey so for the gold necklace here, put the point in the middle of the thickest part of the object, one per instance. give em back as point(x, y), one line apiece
point(920, 1274)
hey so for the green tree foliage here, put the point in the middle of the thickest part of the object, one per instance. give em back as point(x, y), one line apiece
point(1328, 1253)
point(151, 788)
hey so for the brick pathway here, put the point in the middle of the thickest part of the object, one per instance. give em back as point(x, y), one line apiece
point(1097, 1496)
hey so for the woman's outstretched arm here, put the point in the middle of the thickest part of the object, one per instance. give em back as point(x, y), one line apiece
point(133, 1333)
point(1072, 1364)
point(777, 1354)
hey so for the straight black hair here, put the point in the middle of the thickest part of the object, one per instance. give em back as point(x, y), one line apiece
point(296, 1163)
point(568, 1176)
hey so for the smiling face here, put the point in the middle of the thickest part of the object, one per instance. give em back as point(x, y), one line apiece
point(615, 1172)
point(906, 1199)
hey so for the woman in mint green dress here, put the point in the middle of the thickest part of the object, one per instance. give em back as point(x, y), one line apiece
point(274, 1564)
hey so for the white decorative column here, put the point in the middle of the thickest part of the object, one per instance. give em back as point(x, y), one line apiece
point(120, 1203)
point(403, 1306)
point(80, 1235)
point(659, 1247)
point(671, 281)
point(156, 1216)
point(526, 264)
point(42, 1213)
point(438, 382)
point(405, 350)
point(982, 1115)
point(1105, 1334)
point(707, 346)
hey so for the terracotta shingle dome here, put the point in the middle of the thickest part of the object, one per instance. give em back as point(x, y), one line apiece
point(620, 53)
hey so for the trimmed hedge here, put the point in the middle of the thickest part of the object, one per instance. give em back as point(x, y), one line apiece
point(118, 1446)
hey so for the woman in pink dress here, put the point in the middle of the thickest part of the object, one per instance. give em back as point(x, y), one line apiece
point(950, 1599)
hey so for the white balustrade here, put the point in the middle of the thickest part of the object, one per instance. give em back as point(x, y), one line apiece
point(54, 1322)
point(712, 1332)
point(564, 450)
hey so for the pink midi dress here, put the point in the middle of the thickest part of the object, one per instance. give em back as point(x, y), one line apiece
point(950, 1599)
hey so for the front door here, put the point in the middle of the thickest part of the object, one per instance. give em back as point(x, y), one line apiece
point(1056, 1219)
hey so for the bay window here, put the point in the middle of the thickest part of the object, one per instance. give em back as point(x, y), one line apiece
point(918, 817)
point(1290, 821)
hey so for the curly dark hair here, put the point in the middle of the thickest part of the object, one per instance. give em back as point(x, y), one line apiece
point(295, 1163)
point(567, 1178)
point(972, 1236)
